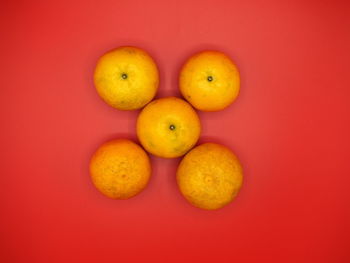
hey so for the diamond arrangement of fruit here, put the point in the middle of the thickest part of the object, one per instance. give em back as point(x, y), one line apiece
point(210, 175)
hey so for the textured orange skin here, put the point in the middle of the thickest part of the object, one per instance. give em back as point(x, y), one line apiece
point(120, 169)
point(207, 95)
point(137, 89)
point(153, 127)
point(209, 176)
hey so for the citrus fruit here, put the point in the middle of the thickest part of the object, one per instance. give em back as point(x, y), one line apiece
point(209, 80)
point(209, 176)
point(168, 127)
point(120, 169)
point(126, 78)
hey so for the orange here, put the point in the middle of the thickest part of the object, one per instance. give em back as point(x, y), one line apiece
point(209, 80)
point(126, 78)
point(209, 176)
point(168, 127)
point(120, 169)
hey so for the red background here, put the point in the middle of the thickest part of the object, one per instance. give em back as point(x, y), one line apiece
point(290, 128)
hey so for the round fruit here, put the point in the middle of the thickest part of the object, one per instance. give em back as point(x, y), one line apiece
point(209, 176)
point(120, 169)
point(168, 127)
point(126, 78)
point(209, 81)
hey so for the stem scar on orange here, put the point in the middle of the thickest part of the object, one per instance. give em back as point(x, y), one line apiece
point(209, 80)
point(126, 78)
point(168, 127)
point(209, 176)
point(120, 169)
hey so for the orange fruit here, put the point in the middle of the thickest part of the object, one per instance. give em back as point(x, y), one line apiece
point(209, 80)
point(126, 78)
point(209, 176)
point(168, 127)
point(120, 169)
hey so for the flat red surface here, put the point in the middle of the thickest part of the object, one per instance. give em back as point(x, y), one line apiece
point(290, 128)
